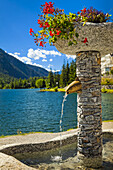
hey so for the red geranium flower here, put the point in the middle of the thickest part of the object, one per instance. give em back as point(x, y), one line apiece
point(41, 25)
point(39, 21)
point(85, 40)
point(41, 43)
point(58, 32)
point(31, 31)
point(47, 25)
point(51, 34)
point(83, 10)
point(50, 4)
point(45, 35)
point(48, 8)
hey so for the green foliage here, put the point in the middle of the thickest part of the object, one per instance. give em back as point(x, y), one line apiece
point(106, 81)
point(107, 90)
point(103, 90)
point(72, 72)
point(54, 80)
point(111, 72)
point(107, 73)
point(40, 83)
point(68, 75)
point(55, 24)
point(50, 79)
point(13, 83)
point(56, 89)
point(63, 76)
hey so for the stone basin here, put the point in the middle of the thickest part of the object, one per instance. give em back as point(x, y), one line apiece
point(99, 36)
point(38, 156)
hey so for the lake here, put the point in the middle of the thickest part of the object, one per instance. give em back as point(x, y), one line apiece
point(28, 110)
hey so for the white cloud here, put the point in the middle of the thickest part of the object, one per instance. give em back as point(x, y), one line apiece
point(44, 60)
point(71, 56)
point(50, 65)
point(52, 52)
point(36, 54)
point(55, 71)
point(35, 64)
point(47, 69)
point(16, 56)
point(16, 53)
point(51, 59)
point(26, 59)
point(29, 62)
point(23, 59)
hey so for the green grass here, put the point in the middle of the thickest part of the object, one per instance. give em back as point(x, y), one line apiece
point(53, 90)
point(2, 136)
point(63, 90)
point(42, 132)
point(106, 81)
point(108, 121)
point(72, 129)
point(106, 90)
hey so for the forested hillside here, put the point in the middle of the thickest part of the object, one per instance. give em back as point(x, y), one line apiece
point(68, 74)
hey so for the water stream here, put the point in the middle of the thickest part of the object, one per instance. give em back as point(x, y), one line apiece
point(59, 158)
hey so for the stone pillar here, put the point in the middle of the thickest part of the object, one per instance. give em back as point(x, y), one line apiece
point(89, 109)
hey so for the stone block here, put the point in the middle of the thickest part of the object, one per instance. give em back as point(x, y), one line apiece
point(89, 118)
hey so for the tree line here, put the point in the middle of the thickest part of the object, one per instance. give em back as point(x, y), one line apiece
point(68, 74)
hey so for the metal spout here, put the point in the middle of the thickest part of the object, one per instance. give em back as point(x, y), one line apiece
point(75, 86)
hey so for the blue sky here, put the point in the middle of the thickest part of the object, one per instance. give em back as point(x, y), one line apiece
point(18, 16)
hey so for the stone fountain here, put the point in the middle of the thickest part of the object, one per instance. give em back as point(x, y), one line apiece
point(88, 87)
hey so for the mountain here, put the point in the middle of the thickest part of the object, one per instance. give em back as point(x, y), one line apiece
point(15, 68)
point(39, 70)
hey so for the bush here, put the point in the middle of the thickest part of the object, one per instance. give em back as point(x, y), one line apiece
point(111, 71)
point(106, 81)
point(103, 90)
point(107, 73)
point(40, 83)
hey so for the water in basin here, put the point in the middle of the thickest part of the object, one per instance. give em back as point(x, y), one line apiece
point(42, 160)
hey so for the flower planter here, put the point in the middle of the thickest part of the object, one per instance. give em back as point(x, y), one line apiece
point(99, 36)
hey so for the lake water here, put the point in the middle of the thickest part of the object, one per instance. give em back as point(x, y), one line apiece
point(28, 110)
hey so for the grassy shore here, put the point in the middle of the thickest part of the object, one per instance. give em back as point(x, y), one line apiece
point(53, 90)
point(63, 90)
point(20, 133)
point(108, 121)
point(106, 90)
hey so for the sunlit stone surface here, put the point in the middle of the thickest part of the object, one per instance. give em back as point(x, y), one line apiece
point(99, 36)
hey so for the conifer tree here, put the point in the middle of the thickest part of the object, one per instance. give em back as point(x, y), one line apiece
point(67, 73)
point(63, 77)
point(50, 79)
point(72, 71)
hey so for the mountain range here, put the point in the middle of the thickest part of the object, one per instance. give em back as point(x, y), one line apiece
point(13, 67)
